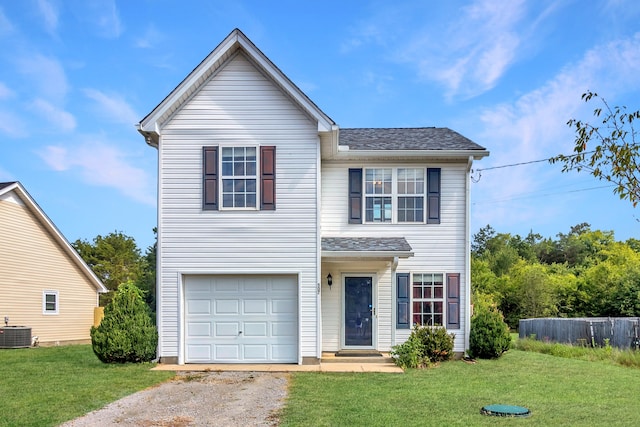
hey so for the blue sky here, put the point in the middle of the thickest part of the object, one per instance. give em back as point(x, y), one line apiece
point(77, 75)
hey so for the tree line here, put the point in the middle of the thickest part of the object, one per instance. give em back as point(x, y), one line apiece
point(583, 273)
point(116, 259)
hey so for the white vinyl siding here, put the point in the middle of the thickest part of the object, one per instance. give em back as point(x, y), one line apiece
point(436, 247)
point(237, 107)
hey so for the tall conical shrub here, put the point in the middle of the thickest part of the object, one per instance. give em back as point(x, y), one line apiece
point(489, 336)
point(127, 332)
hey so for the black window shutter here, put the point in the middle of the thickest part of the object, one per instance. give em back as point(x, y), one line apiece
point(403, 289)
point(268, 178)
point(453, 301)
point(355, 196)
point(210, 178)
point(433, 196)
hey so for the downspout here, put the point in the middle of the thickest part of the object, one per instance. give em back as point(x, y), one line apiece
point(319, 251)
point(467, 262)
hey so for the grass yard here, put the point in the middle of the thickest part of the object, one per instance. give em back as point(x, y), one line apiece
point(46, 386)
point(558, 391)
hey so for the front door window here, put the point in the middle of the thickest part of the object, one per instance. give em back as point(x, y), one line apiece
point(358, 311)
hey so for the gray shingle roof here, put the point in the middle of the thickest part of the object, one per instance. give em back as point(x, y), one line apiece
point(365, 244)
point(430, 138)
point(6, 184)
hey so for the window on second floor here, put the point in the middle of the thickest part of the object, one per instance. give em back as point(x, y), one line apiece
point(394, 195)
point(239, 179)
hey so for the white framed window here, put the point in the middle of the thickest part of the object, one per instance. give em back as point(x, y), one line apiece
point(378, 192)
point(239, 177)
point(50, 302)
point(394, 195)
point(428, 299)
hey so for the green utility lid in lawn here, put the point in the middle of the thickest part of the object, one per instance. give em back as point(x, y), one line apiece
point(505, 411)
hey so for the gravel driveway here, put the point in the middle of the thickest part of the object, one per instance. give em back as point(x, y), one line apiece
point(198, 399)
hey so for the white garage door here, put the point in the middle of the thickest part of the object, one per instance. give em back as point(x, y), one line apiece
point(241, 319)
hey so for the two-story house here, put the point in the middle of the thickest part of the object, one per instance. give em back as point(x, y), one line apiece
point(282, 236)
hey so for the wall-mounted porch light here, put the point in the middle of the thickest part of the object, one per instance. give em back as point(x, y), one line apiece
point(329, 280)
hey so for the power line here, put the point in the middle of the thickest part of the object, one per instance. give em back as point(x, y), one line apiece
point(534, 195)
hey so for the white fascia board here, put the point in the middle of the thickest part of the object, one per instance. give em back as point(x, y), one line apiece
point(367, 254)
point(346, 154)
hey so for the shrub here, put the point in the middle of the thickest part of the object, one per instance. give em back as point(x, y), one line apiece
point(127, 332)
point(489, 336)
point(426, 345)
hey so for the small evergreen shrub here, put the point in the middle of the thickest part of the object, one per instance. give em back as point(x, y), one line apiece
point(489, 337)
point(425, 346)
point(127, 332)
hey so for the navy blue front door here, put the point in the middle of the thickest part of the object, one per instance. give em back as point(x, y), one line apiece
point(358, 311)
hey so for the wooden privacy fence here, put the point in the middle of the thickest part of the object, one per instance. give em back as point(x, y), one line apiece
point(620, 332)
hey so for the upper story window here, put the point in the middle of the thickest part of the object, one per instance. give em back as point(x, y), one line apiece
point(248, 176)
point(378, 195)
point(394, 195)
point(239, 177)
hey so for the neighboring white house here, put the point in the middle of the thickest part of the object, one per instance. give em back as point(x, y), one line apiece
point(282, 236)
point(44, 284)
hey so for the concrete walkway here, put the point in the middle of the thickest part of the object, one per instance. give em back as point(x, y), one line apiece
point(331, 364)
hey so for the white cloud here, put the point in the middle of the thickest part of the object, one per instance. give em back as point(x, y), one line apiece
point(46, 75)
point(534, 127)
point(49, 14)
point(113, 106)
point(5, 92)
point(103, 16)
point(150, 39)
point(59, 118)
point(11, 125)
point(476, 50)
point(6, 27)
point(101, 164)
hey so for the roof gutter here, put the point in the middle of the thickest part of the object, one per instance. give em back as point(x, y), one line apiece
point(345, 153)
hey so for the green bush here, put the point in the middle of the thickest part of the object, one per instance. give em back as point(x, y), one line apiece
point(425, 346)
point(127, 332)
point(489, 336)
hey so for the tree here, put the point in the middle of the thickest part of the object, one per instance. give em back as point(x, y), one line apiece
point(114, 258)
point(148, 280)
point(608, 151)
point(127, 333)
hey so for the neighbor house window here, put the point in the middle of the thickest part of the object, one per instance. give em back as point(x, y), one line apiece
point(428, 299)
point(378, 195)
point(239, 177)
point(50, 302)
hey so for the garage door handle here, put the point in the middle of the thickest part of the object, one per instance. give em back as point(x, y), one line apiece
point(239, 332)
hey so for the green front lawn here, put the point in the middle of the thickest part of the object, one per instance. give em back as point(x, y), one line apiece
point(558, 391)
point(49, 385)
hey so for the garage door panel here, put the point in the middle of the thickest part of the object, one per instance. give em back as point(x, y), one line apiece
point(283, 306)
point(256, 352)
point(255, 329)
point(226, 352)
point(249, 319)
point(199, 329)
point(227, 329)
point(255, 306)
point(199, 306)
point(199, 352)
point(227, 306)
